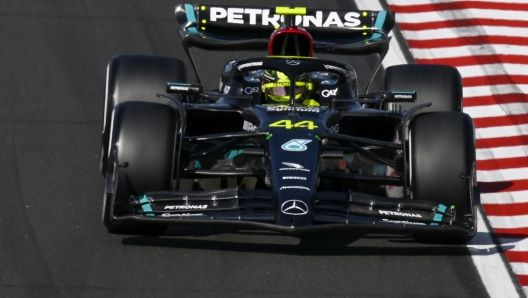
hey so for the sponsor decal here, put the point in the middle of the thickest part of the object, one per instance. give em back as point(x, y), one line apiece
point(248, 126)
point(251, 90)
point(255, 16)
point(293, 178)
point(327, 93)
point(293, 167)
point(289, 109)
point(332, 67)
point(405, 222)
point(181, 214)
point(294, 207)
point(179, 88)
point(296, 145)
point(334, 128)
point(295, 187)
point(240, 67)
point(185, 207)
point(183, 88)
point(405, 96)
point(383, 212)
point(293, 62)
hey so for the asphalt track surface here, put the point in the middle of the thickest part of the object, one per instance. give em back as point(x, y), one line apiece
point(53, 57)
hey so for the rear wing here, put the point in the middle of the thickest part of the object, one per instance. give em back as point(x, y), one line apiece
point(235, 28)
point(220, 27)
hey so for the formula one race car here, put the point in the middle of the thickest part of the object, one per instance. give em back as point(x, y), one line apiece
point(287, 143)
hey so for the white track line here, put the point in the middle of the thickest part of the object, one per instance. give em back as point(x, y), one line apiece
point(489, 263)
point(499, 110)
point(471, 31)
point(492, 69)
point(502, 131)
point(443, 15)
point(469, 51)
point(509, 222)
point(506, 198)
point(503, 175)
point(502, 152)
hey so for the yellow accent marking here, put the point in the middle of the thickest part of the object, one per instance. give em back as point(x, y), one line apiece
point(364, 33)
point(204, 21)
point(290, 11)
point(365, 27)
point(282, 123)
point(365, 13)
point(288, 124)
point(203, 28)
point(310, 103)
point(203, 7)
point(306, 124)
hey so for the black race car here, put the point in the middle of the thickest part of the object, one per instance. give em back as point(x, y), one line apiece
point(287, 142)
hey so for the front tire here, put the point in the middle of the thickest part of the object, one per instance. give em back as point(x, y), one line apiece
point(442, 166)
point(143, 135)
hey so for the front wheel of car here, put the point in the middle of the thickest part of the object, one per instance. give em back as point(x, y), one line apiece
point(143, 142)
point(442, 167)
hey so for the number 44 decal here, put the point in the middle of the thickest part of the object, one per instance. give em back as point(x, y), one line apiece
point(289, 125)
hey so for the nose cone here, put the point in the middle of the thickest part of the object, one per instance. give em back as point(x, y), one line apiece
point(294, 176)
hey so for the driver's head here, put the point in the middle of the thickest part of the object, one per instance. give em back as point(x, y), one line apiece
point(276, 87)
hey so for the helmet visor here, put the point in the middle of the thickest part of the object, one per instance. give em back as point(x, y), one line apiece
point(277, 90)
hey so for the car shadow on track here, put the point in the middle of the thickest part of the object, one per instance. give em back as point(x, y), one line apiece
point(320, 244)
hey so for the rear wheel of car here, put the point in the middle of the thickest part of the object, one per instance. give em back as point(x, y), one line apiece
point(136, 78)
point(442, 166)
point(143, 137)
point(440, 85)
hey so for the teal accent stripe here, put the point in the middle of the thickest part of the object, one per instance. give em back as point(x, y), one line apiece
point(189, 11)
point(233, 153)
point(178, 84)
point(439, 216)
point(191, 17)
point(380, 20)
point(146, 205)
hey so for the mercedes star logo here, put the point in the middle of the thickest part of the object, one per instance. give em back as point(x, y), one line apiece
point(293, 62)
point(294, 207)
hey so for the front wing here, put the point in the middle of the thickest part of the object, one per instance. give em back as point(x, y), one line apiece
point(329, 211)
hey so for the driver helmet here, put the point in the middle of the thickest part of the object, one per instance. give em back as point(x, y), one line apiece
point(276, 88)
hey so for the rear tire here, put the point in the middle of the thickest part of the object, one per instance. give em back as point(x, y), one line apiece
point(440, 85)
point(136, 78)
point(442, 166)
point(143, 135)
